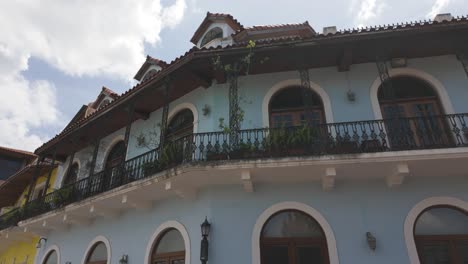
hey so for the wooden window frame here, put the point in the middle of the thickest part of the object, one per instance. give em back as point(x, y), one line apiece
point(294, 242)
point(168, 256)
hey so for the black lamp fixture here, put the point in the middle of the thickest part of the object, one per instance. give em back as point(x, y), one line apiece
point(371, 241)
point(41, 240)
point(123, 259)
point(205, 230)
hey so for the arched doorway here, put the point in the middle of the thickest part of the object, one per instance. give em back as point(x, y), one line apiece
point(293, 237)
point(97, 254)
point(72, 174)
point(169, 248)
point(289, 107)
point(113, 166)
point(441, 236)
point(412, 112)
point(179, 139)
point(51, 258)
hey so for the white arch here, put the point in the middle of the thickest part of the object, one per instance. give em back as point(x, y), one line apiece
point(416, 211)
point(295, 82)
point(98, 239)
point(114, 141)
point(263, 218)
point(183, 106)
point(411, 72)
point(163, 227)
point(48, 251)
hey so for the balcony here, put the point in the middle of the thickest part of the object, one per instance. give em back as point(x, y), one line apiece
point(348, 138)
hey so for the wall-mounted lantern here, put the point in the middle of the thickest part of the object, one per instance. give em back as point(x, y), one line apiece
point(205, 230)
point(351, 96)
point(371, 241)
point(41, 240)
point(123, 259)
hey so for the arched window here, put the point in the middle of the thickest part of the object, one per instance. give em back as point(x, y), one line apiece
point(412, 109)
point(51, 258)
point(295, 106)
point(72, 174)
point(97, 254)
point(214, 33)
point(293, 237)
point(441, 235)
point(169, 248)
point(180, 125)
point(116, 155)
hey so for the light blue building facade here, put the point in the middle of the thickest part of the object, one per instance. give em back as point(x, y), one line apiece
point(369, 166)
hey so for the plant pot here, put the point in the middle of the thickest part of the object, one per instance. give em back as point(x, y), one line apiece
point(216, 156)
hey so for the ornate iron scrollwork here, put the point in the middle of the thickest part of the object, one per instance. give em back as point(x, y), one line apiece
point(165, 113)
point(307, 95)
point(384, 76)
point(234, 111)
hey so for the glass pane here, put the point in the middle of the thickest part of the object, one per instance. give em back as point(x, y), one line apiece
point(275, 255)
point(292, 224)
point(172, 241)
point(462, 248)
point(99, 253)
point(435, 253)
point(309, 255)
point(52, 258)
point(442, 221)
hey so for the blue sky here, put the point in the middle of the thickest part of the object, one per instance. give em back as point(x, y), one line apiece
point(56, 55)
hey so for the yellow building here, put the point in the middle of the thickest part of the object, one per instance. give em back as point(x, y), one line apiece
point(21, 249)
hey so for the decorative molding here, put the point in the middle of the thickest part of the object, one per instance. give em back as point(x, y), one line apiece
point(414, 214)
point(295, 82)
point(160, 230)
point(411, 72)
point(263, 218)
point(183, 106)
point(246, 178)
point(92, 243)
point(328, 179)
point(398, 176)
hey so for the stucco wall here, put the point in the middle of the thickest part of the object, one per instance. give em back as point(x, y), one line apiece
point(351, 210)
point(20, 252)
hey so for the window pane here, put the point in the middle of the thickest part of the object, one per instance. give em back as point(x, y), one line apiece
point(172, 241)
point(99, 253)
point(308, 255)
point(52, 258)
point(292, 224)
point(442, 221)
point(275, 255)
point(435, 253)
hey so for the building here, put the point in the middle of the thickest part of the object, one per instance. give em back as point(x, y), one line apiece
point(18, 246)
point(290, 146)
point(12, 160)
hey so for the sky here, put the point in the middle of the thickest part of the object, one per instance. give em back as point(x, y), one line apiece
point(56, 55)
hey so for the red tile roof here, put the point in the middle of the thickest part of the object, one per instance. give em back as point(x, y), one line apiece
point(463, 20)
point(149, 61)
point(17, 153)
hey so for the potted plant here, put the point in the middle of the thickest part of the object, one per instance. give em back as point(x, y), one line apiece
point(171, 155)
point(151, 167)
point(242, 151)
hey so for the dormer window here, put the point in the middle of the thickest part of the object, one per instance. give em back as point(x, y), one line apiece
point(214, 33)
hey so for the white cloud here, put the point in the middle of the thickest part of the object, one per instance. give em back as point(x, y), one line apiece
point(437, 8)
point(77, 37)
point(367, 11)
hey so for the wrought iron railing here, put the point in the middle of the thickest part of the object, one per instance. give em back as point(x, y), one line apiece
point(415, 133)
